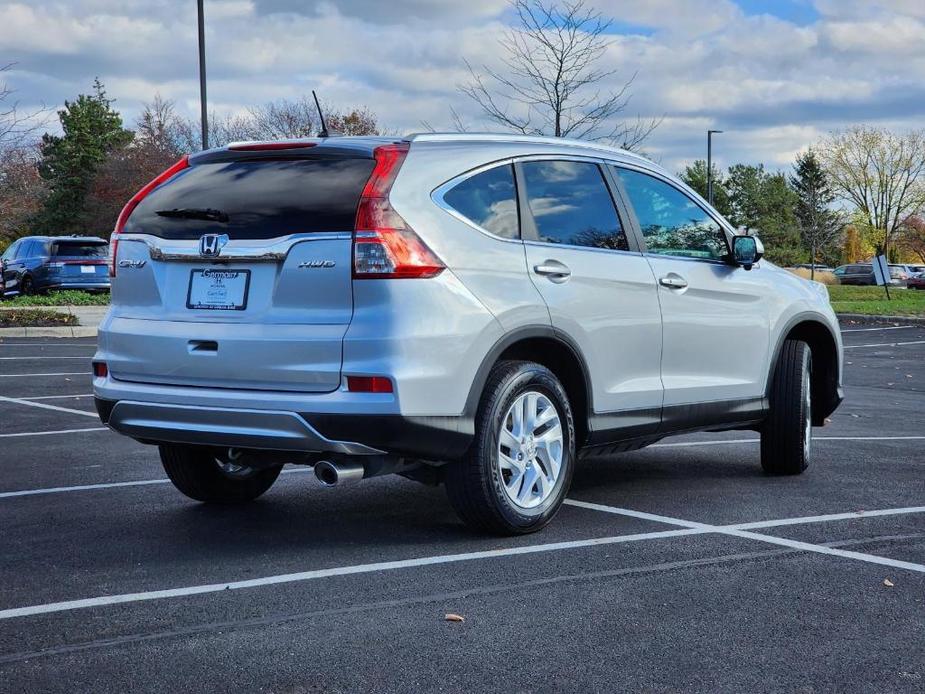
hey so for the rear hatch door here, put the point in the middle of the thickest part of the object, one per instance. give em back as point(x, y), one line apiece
point(79, 261)
point(237, 273)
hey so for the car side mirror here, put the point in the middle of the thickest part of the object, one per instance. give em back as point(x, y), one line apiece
point(746, 251)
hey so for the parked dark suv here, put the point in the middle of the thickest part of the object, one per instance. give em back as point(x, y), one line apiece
point(39, 263)
point(857, 274)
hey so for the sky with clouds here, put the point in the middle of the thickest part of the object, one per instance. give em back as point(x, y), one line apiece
point(775, 75)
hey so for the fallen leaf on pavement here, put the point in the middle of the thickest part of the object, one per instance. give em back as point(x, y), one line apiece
point(450, 617)
point(888, 583)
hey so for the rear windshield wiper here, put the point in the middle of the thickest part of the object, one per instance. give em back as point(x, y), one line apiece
point(207, 214)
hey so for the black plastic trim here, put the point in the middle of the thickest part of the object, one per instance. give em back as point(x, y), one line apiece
point(833, 398)
point(430, 438)
point(523, 333)
point(612, 427)
point(103, 408)
point(717, 414)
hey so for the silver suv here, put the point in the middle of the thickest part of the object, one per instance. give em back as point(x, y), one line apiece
point(477, 310)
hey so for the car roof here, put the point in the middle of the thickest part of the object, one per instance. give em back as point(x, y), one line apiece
point(365, 144)
point(507, 138)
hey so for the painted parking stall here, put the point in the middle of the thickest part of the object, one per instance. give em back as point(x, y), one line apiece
point(684, 548)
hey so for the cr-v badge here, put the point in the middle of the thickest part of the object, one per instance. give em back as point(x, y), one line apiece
point(135, 264)
point(210, 245)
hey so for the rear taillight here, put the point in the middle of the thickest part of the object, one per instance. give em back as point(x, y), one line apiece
point(133, 203)
point(100, 370)
point(369, 384)
point(384, 246)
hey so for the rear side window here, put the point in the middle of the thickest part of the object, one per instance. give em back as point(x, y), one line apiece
point(79, 250)
point(255, 199)
point(571, 205)
point(488, 199)
point(671, 222)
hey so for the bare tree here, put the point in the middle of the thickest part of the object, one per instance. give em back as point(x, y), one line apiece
point(22, 190)
point(283, 120)
point(551, 82)
point(16, 127)
point(880, 172)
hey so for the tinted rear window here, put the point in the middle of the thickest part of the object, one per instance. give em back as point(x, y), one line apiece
point(255, 199)
point(80, 250)
point(488, 199)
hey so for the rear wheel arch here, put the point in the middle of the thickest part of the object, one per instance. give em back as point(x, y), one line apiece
point(824, 349)
point(546, 346)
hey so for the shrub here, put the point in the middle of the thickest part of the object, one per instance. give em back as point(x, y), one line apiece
point(823, 276)
point(34, 317)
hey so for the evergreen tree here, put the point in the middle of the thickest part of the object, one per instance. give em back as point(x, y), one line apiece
point(765, 203)
point(91, 131)
point(695, 175)
point(820, 226)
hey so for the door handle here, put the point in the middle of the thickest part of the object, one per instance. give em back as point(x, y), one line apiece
point(554, 270)
point(673, 281)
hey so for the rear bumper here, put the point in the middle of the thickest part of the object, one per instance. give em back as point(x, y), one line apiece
point(431, 438)
point(213, 426)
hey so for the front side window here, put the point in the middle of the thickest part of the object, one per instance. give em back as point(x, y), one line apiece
point(489, 200)
point(26, 249)
point(671, 222)
point(571, 205)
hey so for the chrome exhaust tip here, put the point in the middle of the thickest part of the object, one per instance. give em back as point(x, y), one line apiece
point(336, 474)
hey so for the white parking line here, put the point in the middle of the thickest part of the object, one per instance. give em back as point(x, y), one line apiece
point(106, 485)
point(79, 488)
point(58, 397)
point(49, 433)
point(887, 344)
point(686, 528)
point(44, 406)
point(336, 571)
point(892, 327)
point(828, 518)
point(69, 373)
point(735, 531)
point(34, 358)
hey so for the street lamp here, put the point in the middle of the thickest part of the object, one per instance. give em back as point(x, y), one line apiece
point(203, 114)
point(710, 134)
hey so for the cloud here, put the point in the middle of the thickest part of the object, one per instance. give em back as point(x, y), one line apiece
point(773, 85)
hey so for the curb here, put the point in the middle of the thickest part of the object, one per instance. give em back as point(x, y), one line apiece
point(914, 320)
point(63, 331)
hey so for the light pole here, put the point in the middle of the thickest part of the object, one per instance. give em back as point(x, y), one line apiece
point(203, 111)
point(710, 134)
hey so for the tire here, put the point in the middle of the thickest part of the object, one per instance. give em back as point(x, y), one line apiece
point(201, 475)
point(493, 490)
point(786, 436)
point(26, 288)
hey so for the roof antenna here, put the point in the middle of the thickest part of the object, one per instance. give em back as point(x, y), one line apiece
point(324, 127)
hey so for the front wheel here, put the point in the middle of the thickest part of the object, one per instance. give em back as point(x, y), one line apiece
point(786, 437)
point(203, 475)
point(520, 465)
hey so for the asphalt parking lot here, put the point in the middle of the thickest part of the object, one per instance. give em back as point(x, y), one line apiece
point(681, 566)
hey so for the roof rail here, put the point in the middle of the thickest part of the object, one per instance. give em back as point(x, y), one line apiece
point(514, 138)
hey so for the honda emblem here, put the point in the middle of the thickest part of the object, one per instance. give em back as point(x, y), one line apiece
point(210, 245)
